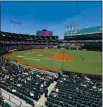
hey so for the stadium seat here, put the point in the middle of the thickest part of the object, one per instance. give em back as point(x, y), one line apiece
point(69, 96)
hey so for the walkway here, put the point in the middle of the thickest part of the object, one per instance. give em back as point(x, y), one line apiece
point(14, 100)
point(41, 101)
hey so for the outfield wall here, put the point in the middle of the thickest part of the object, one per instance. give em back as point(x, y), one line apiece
point(92, 46)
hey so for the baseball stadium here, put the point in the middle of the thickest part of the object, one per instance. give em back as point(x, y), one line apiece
point(42, 70)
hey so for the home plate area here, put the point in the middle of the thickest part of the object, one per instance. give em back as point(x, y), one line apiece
point(37, 58)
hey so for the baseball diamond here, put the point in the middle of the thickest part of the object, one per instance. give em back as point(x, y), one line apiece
point(52, 59)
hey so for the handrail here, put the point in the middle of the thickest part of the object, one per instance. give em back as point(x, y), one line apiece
point(10, 96)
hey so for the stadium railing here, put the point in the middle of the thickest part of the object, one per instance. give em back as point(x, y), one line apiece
point(11, 98)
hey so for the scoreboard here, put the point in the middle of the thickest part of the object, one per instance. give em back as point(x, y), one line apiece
point(44, 33)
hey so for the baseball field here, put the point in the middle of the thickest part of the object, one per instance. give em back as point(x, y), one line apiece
point(82, 61)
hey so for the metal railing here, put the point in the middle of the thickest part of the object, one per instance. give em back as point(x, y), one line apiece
point(11, 98)
point(14, 100)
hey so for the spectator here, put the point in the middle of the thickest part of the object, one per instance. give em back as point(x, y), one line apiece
point(56, 90)
point(46, 92)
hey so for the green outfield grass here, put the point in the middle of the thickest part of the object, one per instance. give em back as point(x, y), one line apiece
point(92, 63)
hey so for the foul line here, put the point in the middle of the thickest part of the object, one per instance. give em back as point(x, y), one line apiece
point(56, 53)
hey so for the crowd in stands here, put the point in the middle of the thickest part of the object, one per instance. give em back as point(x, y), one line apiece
point(79, 42)
point(76, 90)
point(82, 41)
point(24, 47)
point(23, 82)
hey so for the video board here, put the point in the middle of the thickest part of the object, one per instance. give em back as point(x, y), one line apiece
point(44, 33)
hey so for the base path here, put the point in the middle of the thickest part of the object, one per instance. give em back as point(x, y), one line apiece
point(56, 57)
point(59, 56)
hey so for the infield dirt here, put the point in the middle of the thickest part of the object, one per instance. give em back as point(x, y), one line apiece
point(57, 57)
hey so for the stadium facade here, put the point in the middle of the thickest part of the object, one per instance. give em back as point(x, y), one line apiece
point(87, 38)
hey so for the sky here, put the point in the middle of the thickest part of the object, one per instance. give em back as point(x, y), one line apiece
point(50, 15)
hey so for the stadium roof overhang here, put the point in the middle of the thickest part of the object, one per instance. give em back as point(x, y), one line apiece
point(84, 36)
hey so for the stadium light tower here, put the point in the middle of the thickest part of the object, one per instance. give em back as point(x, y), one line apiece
point(15, 23)
point(68, 28)
point(71, 27)
point(75, 26)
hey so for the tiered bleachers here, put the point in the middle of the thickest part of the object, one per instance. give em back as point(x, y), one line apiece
point(76, 91)
point(6, 36)
point(23, 82)
point(11, 41)
point(88, 38)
